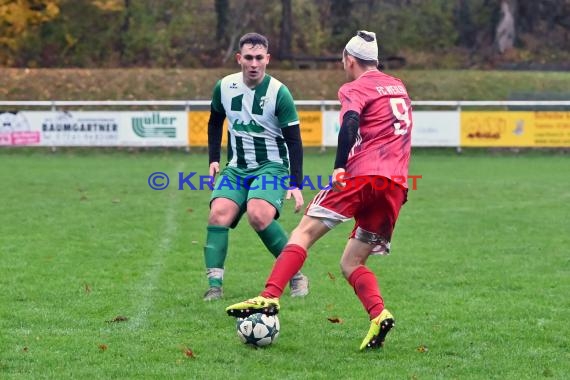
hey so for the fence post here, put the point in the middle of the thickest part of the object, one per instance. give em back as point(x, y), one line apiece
point(458, 149)
point(323, 109)
point(187, 108)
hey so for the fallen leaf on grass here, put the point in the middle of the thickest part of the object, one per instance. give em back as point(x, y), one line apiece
point(118, 318)
point(103, 347)
point(188, 352)
point(87, 288)
point(190, 210)
point(331, 276)
point(335, 320)
point(422, 349)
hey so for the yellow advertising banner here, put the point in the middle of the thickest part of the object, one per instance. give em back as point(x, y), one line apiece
point(496, 129)
point(311, 123)
point(311, 128)
point(515, 129)
point(198, 129)
point(552, 129)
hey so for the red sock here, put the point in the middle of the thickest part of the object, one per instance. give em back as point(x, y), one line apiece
point(366, 288)
point(288, 263)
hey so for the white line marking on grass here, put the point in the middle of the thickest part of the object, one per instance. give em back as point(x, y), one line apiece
point(146, 288)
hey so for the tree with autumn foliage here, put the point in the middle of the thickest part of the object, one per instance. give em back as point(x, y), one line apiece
point(19, 19)
point(204, 33)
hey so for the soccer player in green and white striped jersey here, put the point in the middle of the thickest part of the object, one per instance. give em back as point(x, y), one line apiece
point(264, 149)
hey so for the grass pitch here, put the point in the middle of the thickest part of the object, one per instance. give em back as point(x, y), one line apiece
point(102, 277)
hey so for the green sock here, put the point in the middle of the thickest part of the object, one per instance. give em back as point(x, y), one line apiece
point(274, 238)
point(215, 253)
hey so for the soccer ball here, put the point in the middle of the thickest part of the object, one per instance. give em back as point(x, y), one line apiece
point(258, 329)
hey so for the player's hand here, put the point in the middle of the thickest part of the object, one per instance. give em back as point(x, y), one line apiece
point(214, 169)
point(338, 180)
point(298, 196)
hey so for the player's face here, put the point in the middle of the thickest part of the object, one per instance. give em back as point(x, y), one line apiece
point(253, 60)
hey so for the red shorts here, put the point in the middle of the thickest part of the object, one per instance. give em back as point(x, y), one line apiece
point(373, 201)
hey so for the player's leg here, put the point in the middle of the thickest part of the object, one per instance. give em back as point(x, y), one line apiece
point(293, 255)
point(226, 207)
point(325, 211)
point(375, 221)
point(265, 200)
point(261, 217)
point(286, 266)
point(365, 285)
point(223, 212)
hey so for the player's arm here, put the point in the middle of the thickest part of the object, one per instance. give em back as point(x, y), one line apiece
point(286, 113)
point(346, 139)
point(215, 130)
point(292, 136)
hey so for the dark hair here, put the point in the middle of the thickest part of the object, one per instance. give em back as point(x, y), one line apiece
point(254, 39)
point(365, 36)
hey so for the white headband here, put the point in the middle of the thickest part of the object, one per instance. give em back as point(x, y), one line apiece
point(360, 48)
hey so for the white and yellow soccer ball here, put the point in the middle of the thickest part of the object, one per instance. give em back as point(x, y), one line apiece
point(258, 329)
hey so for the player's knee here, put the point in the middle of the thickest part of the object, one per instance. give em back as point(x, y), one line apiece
point(349, 263)
point(346, 268)
point(220, 217)
point(259, 219)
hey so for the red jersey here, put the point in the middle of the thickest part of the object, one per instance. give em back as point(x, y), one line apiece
point(383, 143)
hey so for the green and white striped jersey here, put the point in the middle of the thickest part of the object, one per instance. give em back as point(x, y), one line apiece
point(255, 118)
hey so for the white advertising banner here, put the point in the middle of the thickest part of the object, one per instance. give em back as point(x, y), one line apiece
point(431, 128)
point(157, 128)
point(436, 129)
point(64, 128)
point(331, 126)
point(96, 128)
point(170, 128)
point(15, 130)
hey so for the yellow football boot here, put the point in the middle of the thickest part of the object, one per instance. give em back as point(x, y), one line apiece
point(379, 328)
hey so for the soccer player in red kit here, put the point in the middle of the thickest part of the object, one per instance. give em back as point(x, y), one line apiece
point(369, 185)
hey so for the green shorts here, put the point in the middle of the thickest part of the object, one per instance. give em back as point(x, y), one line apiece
point(268, 182)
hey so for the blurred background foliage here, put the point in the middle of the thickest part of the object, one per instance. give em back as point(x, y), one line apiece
point(428, 34)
